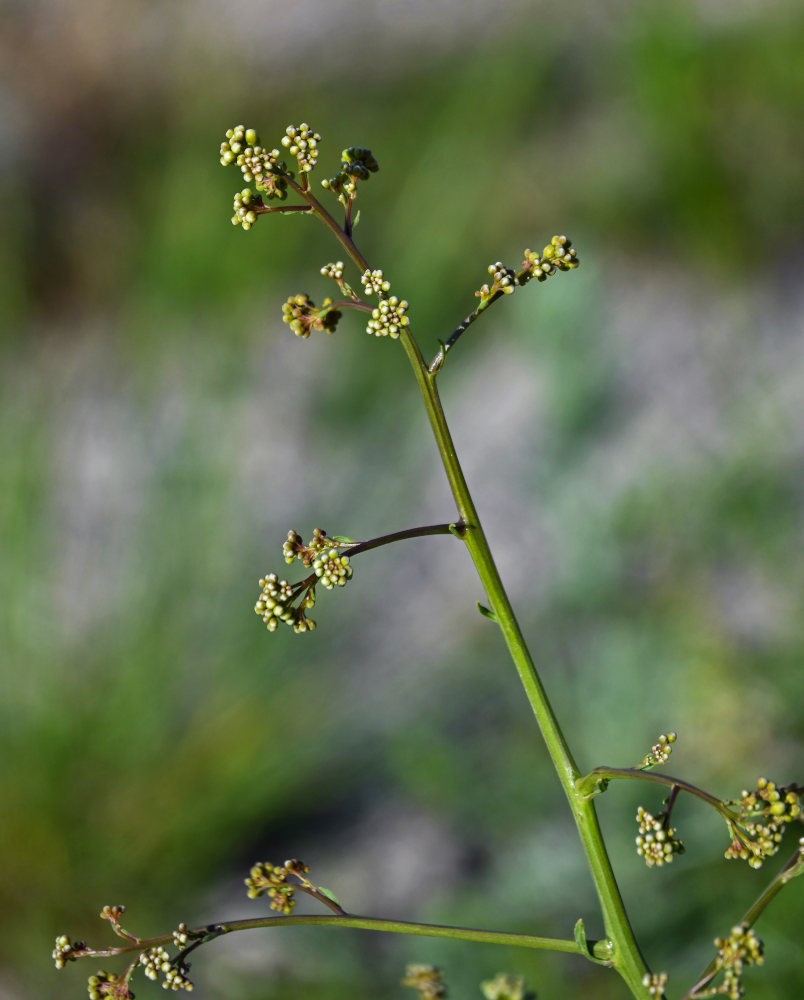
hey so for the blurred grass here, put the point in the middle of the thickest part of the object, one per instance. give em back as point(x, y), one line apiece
point(160, 431)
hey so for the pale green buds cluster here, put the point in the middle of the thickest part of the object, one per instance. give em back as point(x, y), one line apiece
point(302, 142)
point(558, 253)
point(334, 271)
point(257, 164)
point(427, 980)
point(761, 820)
point(388, 319)
point(294, 548)
point(275, 604)
point(157, 961)
point(272, 880)
point(503, 279)
point(655, 983)
point(280, 601)
point(741, 948)
point(656, 841)
point(244, 203)
point(504, 986)
point(660, 751)
point(374, 283)
point(302, 315)
point(181, 936)
point(332, 569)
point(237, 139)
point(154, 961)
point(67, 951)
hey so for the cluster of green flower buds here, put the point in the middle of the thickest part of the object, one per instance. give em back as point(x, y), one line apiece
point(762, 817)
point(272, 880)
point(156, 961)
point(302, 315)
point(503, 279)
point(321, 553)
point(294, 548)
point(741, 948)
point(332, 569)
point(558, 253)
point(245, 202)
point(181, 936)
point(656, 841)
point(388, 319)
point(258, 165)
point(504, 986)
point(427, 980)
point(302, 142)
point(67, 951)
point(357, 164)
point(334, 271)
point(660, 751)
point(275, 604)
point(280, 601)
point(374, 283)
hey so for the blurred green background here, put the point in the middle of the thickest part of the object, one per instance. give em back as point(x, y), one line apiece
point(633, 432)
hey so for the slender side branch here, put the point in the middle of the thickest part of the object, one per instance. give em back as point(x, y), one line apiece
point(398, 536)
point(212, 931)
point(588, 786)
point(435, 365)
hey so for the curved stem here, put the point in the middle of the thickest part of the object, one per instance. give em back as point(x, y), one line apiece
point(398, 536)
point(586, 785)
point(212, 931)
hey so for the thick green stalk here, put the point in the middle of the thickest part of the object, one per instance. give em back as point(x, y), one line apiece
point(626, 957)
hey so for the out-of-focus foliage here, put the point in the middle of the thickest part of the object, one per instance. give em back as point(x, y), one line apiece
point(633, 431)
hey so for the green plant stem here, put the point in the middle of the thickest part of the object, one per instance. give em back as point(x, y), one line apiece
point(398, 536)
point(626, 957)
point(625, 954)
point(586, 785)
point(212, 931)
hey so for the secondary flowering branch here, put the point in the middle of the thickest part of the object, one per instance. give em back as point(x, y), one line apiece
point(558, 255)
point(330, 561)
point(279, 883)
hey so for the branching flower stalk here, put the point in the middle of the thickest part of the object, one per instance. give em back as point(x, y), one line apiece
point(756, 821)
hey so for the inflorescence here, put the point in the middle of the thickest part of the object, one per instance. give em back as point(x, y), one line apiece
point(760, 821)
point(302, 315)
point(558, 255)
point(741, 948)
point(660, 752)
point(280, 601)
point(270, 880)
point(656, 841)
point(357, 164)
